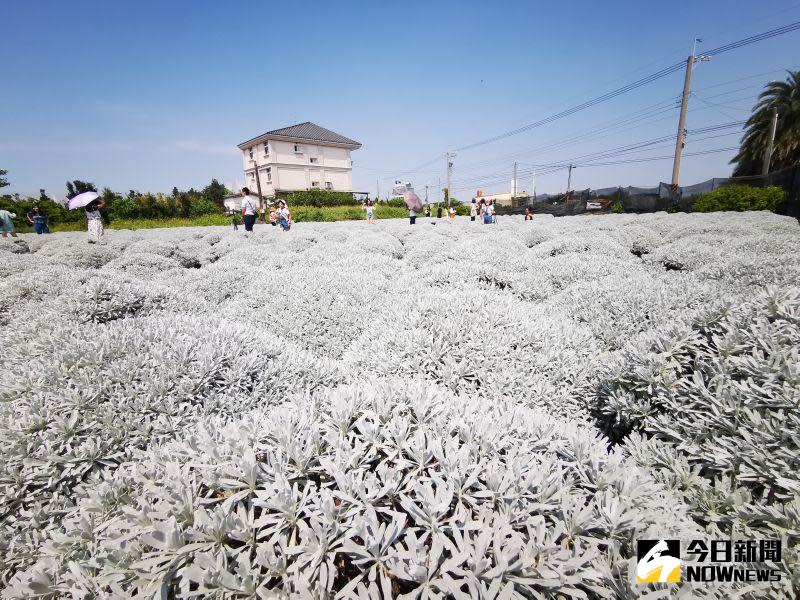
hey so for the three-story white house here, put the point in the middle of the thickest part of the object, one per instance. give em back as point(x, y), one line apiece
point(299, 157)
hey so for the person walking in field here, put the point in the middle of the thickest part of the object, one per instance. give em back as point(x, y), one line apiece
point(235, 219)
point(412, 216)
point(528, 214)
point(38, 219)
point(452, 212)
point(249, 209)
point(487, 214)
point(6, 224)
point(473, 210)
point(492, 209)
point(94, 220)
point(370, 211)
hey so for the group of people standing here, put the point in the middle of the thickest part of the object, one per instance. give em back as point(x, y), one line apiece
point(279, 215)
point(485, 210)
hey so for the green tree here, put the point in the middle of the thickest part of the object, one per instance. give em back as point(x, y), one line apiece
point(77, 186)
point(215, 192)
point(3, 180)
point(785, 97)
point(175, 191)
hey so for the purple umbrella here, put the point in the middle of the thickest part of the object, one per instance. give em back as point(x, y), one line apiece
point(412, 201)
point(82, 200)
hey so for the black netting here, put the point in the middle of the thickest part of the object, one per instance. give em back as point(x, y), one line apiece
point(641, 200)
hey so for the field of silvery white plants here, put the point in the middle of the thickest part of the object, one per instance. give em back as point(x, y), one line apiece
point(385, 411)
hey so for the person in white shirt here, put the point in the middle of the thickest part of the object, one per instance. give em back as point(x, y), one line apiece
point(368, 206)
point(249, 209)
point(284, 216)
point(491, 211)
point(473, 210)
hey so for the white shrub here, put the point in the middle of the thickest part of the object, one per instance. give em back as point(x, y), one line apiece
point(198, 411)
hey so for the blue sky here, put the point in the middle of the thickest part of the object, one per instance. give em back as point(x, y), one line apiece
point(151, 95)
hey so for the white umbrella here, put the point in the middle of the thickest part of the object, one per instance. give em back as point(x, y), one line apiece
point(82, 200)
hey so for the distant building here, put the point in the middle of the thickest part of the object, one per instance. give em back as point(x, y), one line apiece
point(401, 188)
point(299, 157)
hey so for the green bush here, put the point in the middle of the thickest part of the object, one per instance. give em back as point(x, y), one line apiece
point(123, 208)
point(321, 198)
point(617, 207)
point(204, 206)
point(741, 198)
point(395, 202)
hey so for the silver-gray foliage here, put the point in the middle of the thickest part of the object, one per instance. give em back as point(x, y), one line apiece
point(392, 410)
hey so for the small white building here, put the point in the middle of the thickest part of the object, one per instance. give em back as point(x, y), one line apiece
point(503, 199)
point(299, 157)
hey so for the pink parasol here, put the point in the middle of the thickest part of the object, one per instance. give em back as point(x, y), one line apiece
point(412, 201)
point(82, 200)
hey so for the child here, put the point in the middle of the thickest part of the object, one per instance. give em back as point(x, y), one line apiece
point(452, 212)
point(370, 212)
point(273, 216)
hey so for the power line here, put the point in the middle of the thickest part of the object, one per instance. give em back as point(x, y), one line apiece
point(635, 85)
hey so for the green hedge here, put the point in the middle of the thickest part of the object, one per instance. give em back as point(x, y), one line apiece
point(321, 198)
point(741, 198)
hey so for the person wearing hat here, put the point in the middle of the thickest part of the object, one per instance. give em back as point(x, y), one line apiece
point(6, 224)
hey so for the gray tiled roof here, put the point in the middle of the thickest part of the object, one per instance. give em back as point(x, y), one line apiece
point(309, 131)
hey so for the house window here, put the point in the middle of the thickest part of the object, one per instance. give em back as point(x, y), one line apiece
point(315, 184)
point(314, 160)
point(251, 152)
point(298, 148)
point(266, 149)
point(269, 174)
point(328, 185)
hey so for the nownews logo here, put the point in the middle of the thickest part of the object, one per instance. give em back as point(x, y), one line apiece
point(659, 561)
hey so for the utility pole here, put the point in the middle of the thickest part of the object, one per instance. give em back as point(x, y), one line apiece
point(447, 157)
point(687, 86)
point(533, 184)
point(770, 142)
point(514, 183)
point(569, 179)
point(258, 184)
point(378, 187)
point(426, 193)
